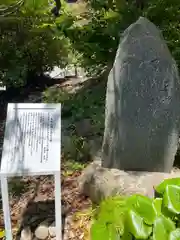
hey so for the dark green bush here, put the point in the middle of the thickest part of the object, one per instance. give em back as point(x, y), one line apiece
point(29, 42)
point(166, 15)
point(98, 37)
point(139, 217)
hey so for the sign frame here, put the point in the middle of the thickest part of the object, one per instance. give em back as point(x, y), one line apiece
point(15, 109)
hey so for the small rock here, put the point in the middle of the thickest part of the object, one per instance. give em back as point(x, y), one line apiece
point(41, 231)
point(26, 234)
point(52, 230)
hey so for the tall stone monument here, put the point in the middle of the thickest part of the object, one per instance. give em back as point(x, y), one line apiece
point(142, 103)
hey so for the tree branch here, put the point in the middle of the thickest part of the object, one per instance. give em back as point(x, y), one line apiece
point(11, 9)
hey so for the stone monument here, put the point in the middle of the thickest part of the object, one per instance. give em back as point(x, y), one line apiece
point(142, 103)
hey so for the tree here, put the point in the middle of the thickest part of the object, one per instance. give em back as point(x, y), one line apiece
point(56, 9)
point(97, 39)
point(8, 10)
point(29, 41)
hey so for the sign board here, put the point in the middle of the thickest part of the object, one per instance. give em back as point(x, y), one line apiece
point(32, 139)
point(32, 146)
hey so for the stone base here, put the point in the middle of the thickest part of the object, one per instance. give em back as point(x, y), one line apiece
point(98, 183)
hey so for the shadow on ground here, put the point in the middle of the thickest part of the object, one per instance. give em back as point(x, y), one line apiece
point(177, 160)
point(37, 213)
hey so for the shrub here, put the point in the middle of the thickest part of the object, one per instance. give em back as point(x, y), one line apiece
point(97, 38)
point(86, 103)
point(139, 217)
point(165, 14)
point(30, 43)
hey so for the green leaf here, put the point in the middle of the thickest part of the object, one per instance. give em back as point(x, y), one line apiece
point(157, 202)
point(144, 207)
point(166, 212)
point(178, 222)
point(162, 227)
point(110, 14)
point(98, 231)
point(175, 235)
point(171, 198)
point(103, 231)
point(113, 210)
point(136, 225)
point(162, 186)
point(127, 236)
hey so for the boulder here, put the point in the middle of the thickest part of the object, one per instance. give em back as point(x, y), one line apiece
point(142, 103)
point(98, 183)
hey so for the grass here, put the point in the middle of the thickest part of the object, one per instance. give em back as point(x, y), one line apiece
point(70, 166)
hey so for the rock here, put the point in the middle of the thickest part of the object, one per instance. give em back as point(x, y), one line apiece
point(142, 103)
point(98, 183)
point(42, 231)
point(26, 234)
point(52, 230)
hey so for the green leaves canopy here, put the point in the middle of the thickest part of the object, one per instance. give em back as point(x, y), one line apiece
point(29, 42)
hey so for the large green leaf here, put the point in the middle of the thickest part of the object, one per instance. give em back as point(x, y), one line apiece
point(127, 235)
point(103, 231)
point(166, 212)
point(144, 207)
point(157, 202)
point(171, 198)
point(113, 210)
point(136, 226)
point(175, 235)
point(162, 186)
point(162, 227)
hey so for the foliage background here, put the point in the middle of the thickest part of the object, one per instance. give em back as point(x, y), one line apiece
point(33, 41)
point(96, 40)
point(30, 42)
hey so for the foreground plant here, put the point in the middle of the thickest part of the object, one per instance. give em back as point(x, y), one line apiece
point(139, 217)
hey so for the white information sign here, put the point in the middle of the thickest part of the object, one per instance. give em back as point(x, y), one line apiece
point(32, 146)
